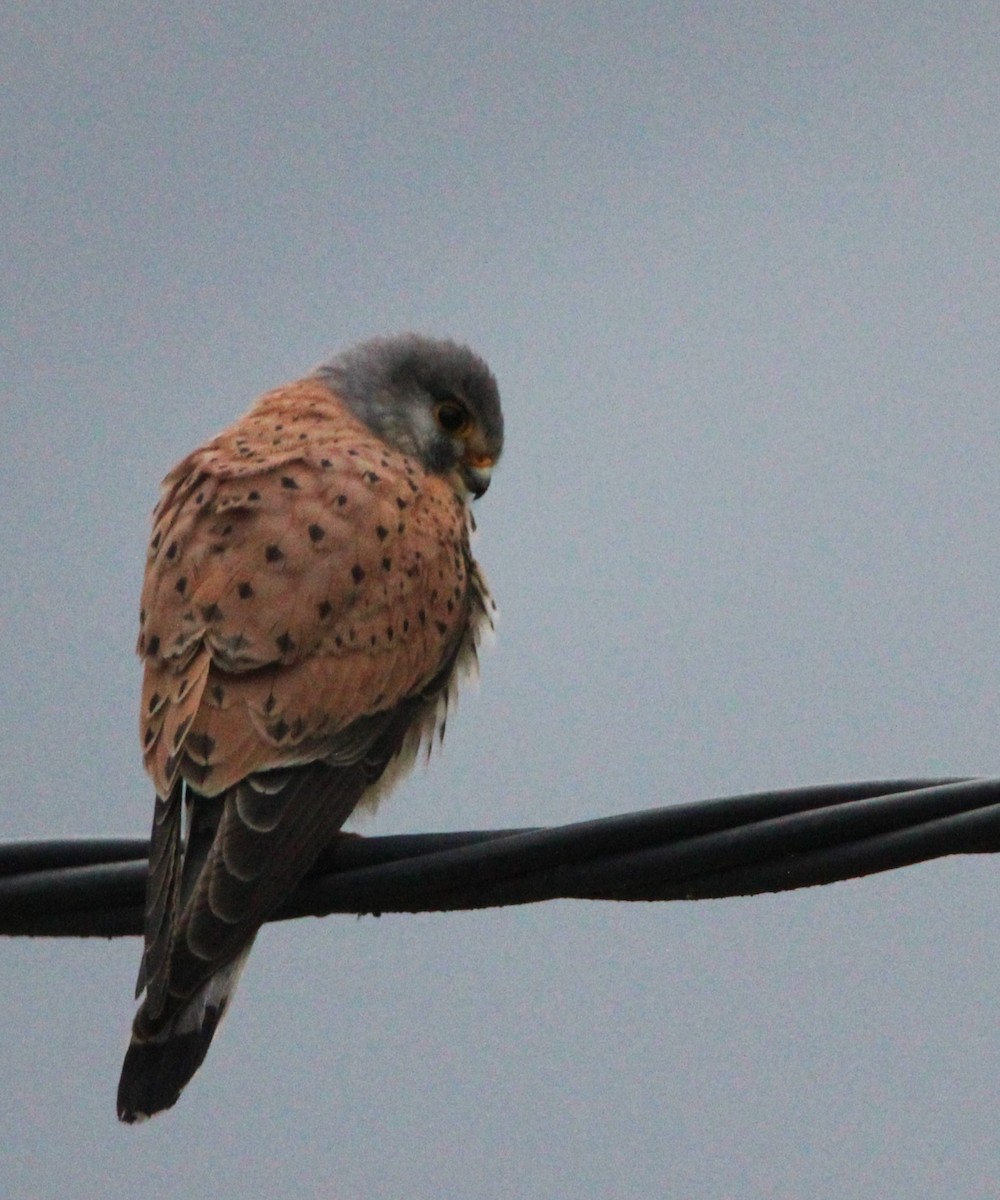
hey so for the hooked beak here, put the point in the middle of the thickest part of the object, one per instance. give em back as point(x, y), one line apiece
point(477, 470)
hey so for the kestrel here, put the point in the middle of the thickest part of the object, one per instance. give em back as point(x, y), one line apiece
point(310, 602)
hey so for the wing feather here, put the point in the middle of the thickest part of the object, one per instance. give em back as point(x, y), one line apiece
point(289, 594)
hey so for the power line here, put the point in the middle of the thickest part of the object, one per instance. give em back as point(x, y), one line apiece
point(736, 846)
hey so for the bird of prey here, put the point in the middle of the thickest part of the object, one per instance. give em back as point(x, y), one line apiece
point(310, 602)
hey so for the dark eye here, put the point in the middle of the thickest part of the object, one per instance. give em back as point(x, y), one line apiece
point(451, 417)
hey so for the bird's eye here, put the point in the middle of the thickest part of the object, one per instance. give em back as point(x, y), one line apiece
point(451, 417)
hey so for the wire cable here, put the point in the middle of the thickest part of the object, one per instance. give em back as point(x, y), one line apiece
point(736, 846)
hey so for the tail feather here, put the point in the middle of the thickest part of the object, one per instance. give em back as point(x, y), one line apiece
point(158, 1065)
point(155, 1073)
point(243, 853)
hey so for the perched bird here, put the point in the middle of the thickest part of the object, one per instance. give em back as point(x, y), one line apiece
point(310, 602)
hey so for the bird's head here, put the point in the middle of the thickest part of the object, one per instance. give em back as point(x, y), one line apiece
point(430, 398)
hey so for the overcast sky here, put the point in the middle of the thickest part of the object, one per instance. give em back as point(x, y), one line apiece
point(735, 267)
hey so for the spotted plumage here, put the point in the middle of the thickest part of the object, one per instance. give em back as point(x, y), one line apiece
point(310, 600)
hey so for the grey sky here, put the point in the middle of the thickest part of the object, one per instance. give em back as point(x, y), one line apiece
point(735, 268)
